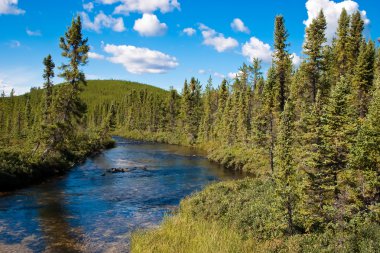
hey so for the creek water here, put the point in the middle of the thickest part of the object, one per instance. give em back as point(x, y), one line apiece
point(91, 210)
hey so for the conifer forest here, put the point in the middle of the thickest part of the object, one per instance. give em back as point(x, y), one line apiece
point(306, 137)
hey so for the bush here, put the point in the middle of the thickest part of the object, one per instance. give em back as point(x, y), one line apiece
point(243, 216)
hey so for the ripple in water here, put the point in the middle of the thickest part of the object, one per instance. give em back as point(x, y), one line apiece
point(89, 210)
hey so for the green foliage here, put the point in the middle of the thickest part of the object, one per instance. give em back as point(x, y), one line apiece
point(244, 216)
point(313, 48)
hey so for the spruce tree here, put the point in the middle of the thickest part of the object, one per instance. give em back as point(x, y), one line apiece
point(364, 74)
point(109, 124)
point(222, 97)
point(339, 132)
point(285, 165)
point(342, 45)
point(356, 38)
point(205, 127)
point(69, 108)
point(318, 198)
point(173, 109)
point(281, 61)
point(270, 113)
point(313, 48)
point(48, 85)
point(365, 157)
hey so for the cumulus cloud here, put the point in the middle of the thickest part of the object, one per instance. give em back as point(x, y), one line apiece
point(102, 20)
point(255, 48)
point(238, 26)
point(233, 75)
point(138, 60)
point(217, 40)
point(149, 26)
point(88, 6)
point(189, 31)
point(202, 71)
point(143, 6)
point(10, 7)
point(219, 75)
point(296, 59)
point(332, 11)
point(33, 33)
point(96, 56)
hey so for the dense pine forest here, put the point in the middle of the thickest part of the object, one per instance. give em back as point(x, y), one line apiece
point(308, 135)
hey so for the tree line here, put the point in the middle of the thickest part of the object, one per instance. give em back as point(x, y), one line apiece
point(313, 129)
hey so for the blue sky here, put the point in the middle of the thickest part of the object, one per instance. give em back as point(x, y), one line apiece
point(159, 42)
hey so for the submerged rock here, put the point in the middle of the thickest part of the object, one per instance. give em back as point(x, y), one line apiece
point(123, 170)
point(118, 170)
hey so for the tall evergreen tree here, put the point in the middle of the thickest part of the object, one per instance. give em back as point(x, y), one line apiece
point(285, 173)
point(339, 130)
point(205, 127)
point(342, 45)
point(318, 197)
point(365, 156)
point(173, 109)
point(364, 74)
point(356, 38)
point(270, 112)
point(313, 48)
point(69, 107)
point(48, 85)
point(282, 61)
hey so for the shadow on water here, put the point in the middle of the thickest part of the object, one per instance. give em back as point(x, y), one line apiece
point(60, 235)
point(89, 210)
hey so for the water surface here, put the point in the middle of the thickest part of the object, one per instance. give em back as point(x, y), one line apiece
point(89, 210)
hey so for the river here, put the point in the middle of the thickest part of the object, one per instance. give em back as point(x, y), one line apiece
point(90, 210)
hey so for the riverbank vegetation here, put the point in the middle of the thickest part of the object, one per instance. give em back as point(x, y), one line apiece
point(43, 133)
point(310, 135)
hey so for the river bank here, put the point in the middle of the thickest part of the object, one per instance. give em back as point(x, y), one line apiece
point(84, 211)
point(19, 170)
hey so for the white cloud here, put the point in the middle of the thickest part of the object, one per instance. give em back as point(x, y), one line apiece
point(88, 6)
point(238, 26)
point(233, 75)
point(255, 48)
point(143, 6)
point(14, 43)
point(149, 25)
point(138, 60)
point(101, 20)
point(20, 79)
point(10, 7)
point(217, 40)
point(296, 59)
point(96, 56)
point(5, 87)
point(202, 71)
point(219, 75)
point(332, 11)
point(189, 31)
point(33, 33)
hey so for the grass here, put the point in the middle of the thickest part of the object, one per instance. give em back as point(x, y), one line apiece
point(182, 234)
point(242, 216)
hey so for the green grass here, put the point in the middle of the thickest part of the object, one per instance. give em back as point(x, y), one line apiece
point(243, 216)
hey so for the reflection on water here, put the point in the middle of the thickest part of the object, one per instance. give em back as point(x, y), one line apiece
point(89, 210)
